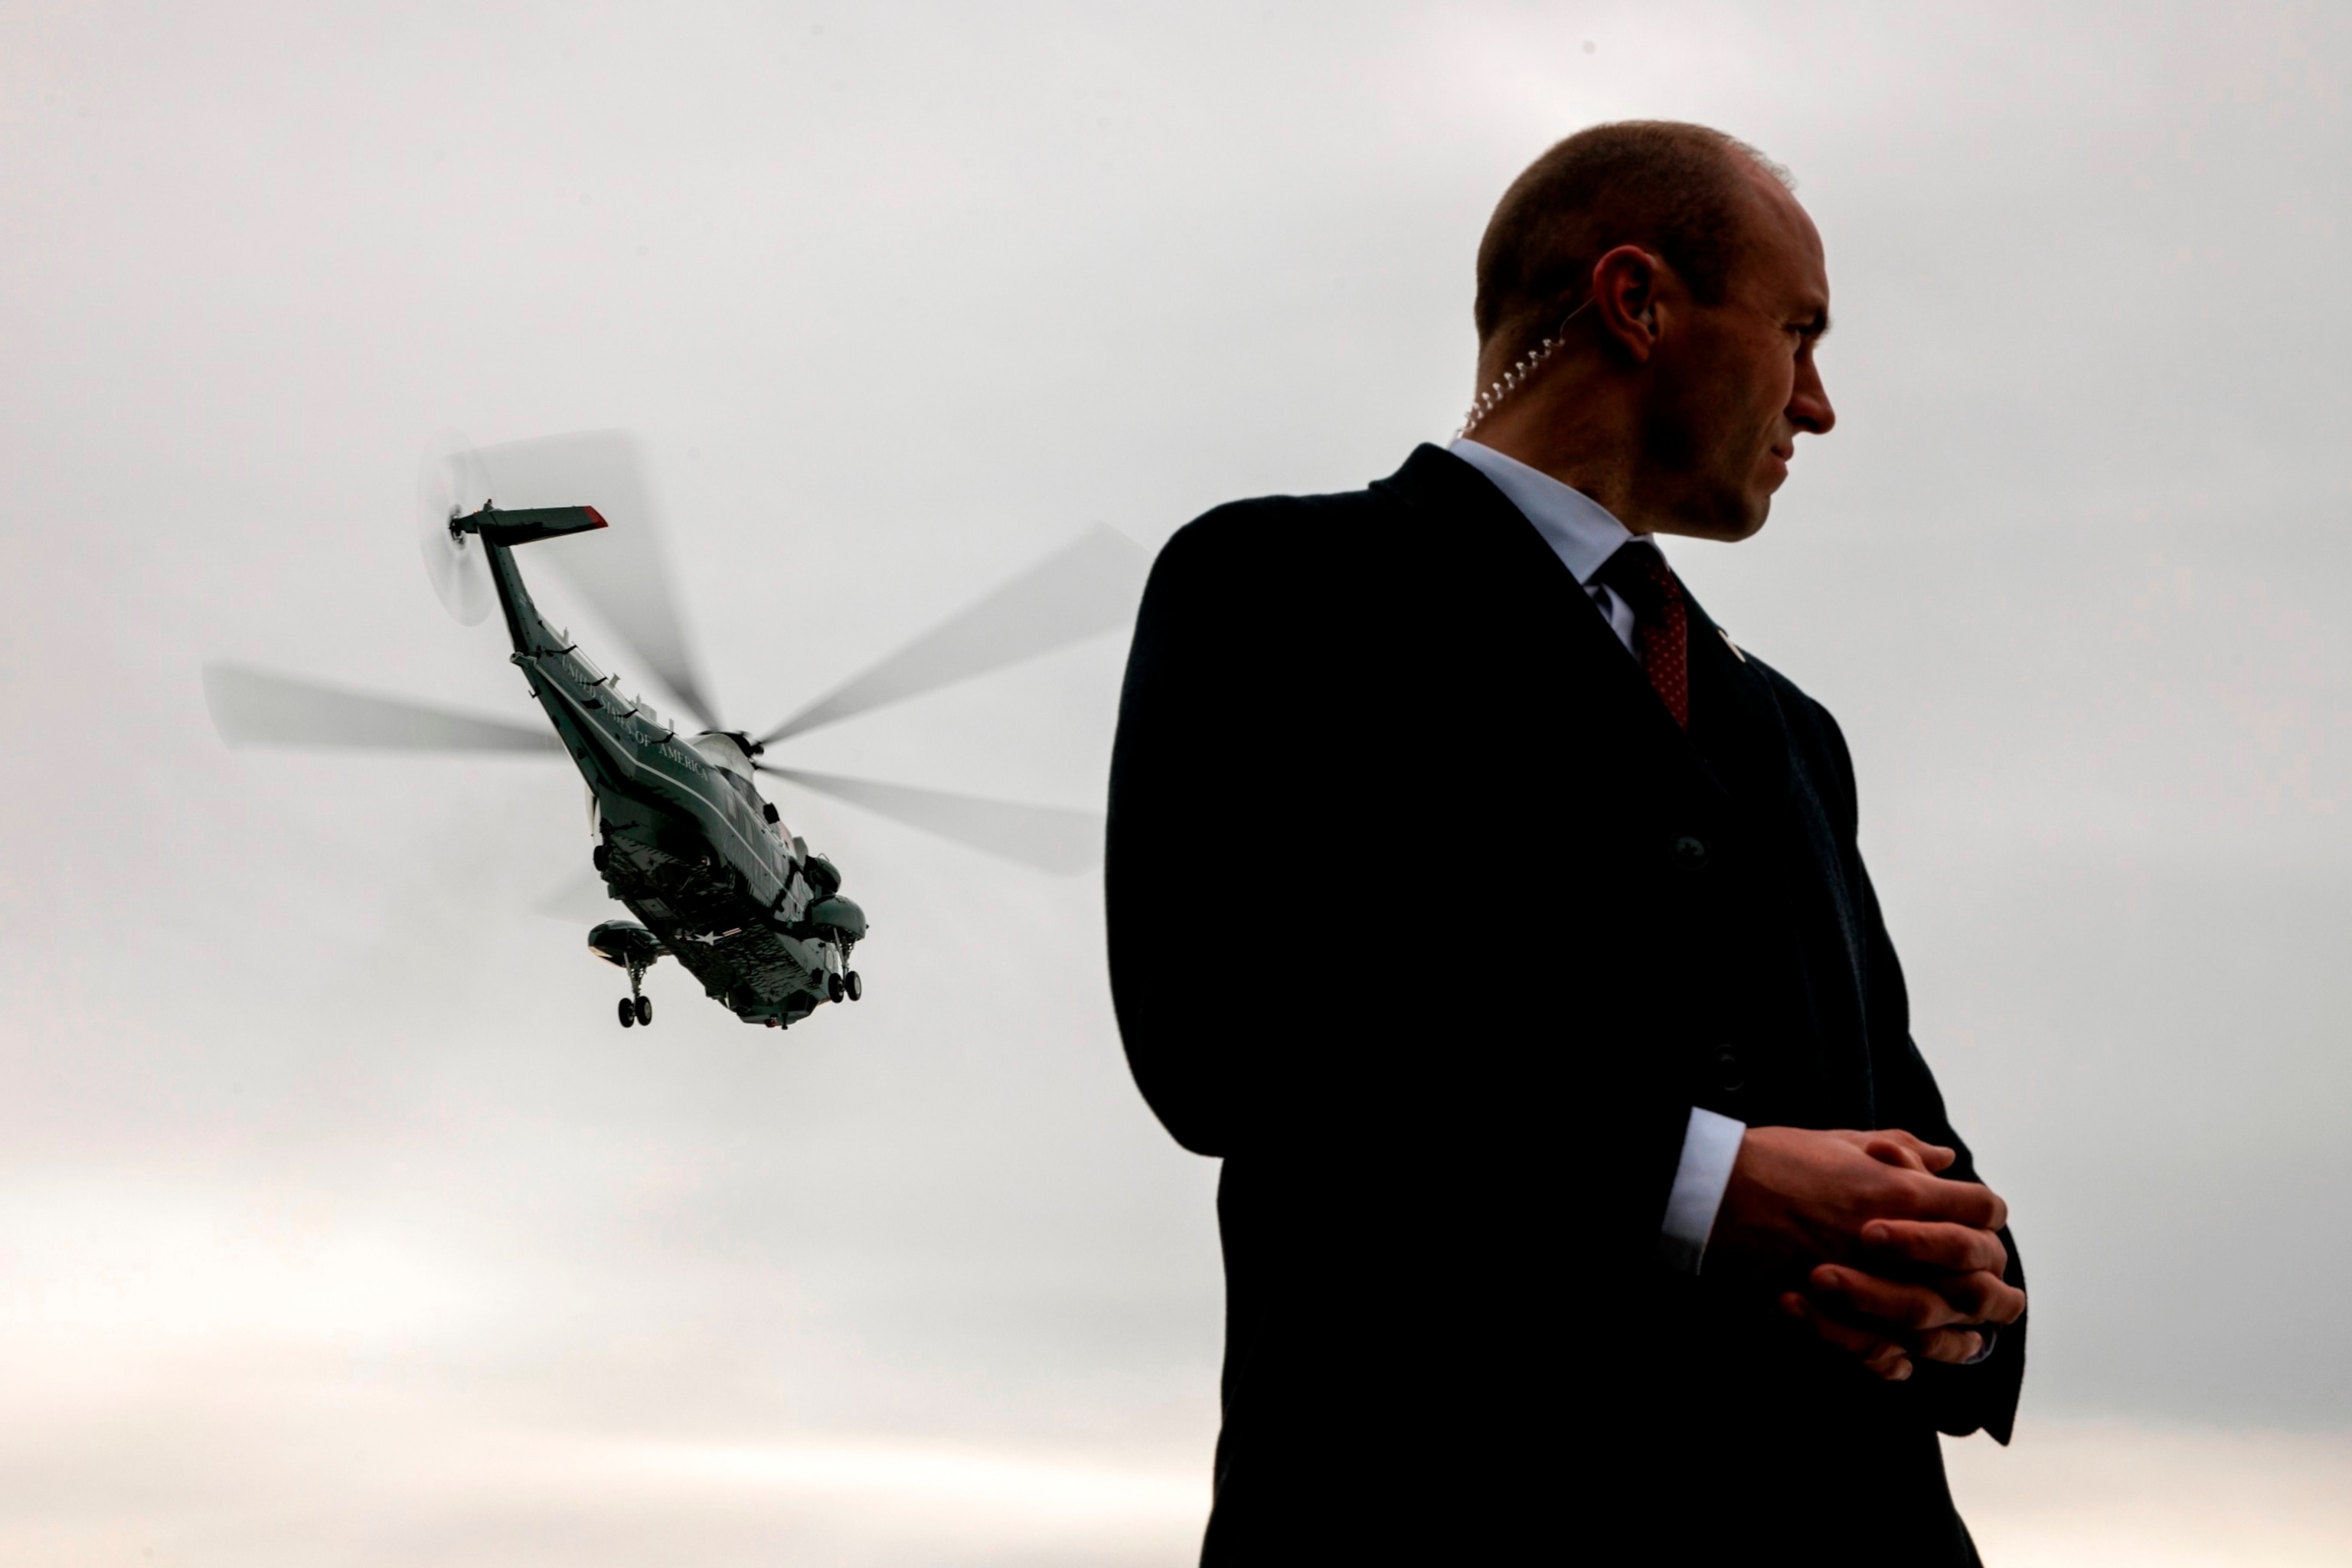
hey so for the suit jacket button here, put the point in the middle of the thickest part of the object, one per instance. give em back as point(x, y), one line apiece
point(1690, 852)
point(1730, 1069)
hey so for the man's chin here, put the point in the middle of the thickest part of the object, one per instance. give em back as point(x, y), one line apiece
point(1753, 524)
point(1727, 525)
point(1748, 519)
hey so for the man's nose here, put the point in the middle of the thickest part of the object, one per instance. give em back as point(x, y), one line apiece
point(1808, 403)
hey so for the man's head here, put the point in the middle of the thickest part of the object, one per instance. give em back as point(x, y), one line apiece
point(1696, 290)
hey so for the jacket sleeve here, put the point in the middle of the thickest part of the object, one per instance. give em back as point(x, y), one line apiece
point(1255, 862)
point(1957, 1399)
point(1190, 777)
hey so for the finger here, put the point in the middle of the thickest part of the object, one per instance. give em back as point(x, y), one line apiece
point(1887, 1152)
point(1938, 1244)
point(1976, 1297)
point(1953, 1346)
point(1983, 1297)
point(1896, 1147)
point(1961, 1202)
point(1899, 1302)
point(1972, 1298)
point(1879, 1355)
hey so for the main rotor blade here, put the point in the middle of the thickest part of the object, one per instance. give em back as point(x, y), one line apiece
point(1049, 837)
point(581, 900)
point(1089, 587)
point(252, 707)
point(621, 570)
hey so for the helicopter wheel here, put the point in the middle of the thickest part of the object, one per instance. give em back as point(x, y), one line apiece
point(628, 1013)
point(854, 986)
point(644, 1011)
point(835, 987)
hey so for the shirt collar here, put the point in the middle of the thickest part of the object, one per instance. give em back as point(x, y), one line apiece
point(1582, 531)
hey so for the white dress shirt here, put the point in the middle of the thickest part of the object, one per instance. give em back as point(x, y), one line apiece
point(1583, 534)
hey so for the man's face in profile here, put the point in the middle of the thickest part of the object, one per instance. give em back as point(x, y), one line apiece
point(1736, 387)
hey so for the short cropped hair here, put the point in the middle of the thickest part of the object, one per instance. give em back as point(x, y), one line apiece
point(1673, 189)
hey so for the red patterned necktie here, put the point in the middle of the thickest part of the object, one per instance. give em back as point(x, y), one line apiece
point(1640, 575)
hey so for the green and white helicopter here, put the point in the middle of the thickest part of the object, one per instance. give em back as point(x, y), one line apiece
point(684, 837)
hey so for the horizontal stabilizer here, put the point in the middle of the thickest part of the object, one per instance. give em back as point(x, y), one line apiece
point(524, 525)
point(621, 572)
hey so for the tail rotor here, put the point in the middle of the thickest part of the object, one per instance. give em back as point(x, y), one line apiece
point(451, 482)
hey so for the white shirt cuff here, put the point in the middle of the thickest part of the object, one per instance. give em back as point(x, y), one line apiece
point(1710, 1148)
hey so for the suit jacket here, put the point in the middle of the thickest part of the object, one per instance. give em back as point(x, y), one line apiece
point(1426, 917)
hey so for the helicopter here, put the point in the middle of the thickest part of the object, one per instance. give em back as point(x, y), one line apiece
point(683, 837)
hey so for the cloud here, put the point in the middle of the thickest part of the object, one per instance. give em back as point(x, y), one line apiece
point(313, 1133)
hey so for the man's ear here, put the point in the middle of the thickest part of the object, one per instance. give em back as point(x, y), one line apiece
point(1626, 283)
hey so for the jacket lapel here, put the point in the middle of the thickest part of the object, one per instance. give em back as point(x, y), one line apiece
point(1739, 754)
point(1599, 684)
point(1736, 716)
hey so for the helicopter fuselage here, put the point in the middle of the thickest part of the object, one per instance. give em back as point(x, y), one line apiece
point(684, 838)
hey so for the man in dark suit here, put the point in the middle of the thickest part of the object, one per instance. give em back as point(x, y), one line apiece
point(1501, 924)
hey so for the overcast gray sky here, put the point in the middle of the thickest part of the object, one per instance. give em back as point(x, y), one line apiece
point(338, 1220)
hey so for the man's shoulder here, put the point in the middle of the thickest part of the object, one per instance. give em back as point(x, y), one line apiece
point(1794, 700)
point(1813, 728)
point(1276, 532)
point(1392, 527)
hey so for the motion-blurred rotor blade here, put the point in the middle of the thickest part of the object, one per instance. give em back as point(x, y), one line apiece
point(583, 900)
point(450, 483)
point(251, 708)
point(619, 571)
point(1089, 587)
point(1049, 837)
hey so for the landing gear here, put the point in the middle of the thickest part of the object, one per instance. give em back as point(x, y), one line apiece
point(835, 987)
point(637, 1008)
point(854, 986)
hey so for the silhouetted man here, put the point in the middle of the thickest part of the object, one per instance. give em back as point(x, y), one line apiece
point(1501, 924)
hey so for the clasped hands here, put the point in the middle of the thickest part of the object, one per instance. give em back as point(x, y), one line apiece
point(1895, 1263)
